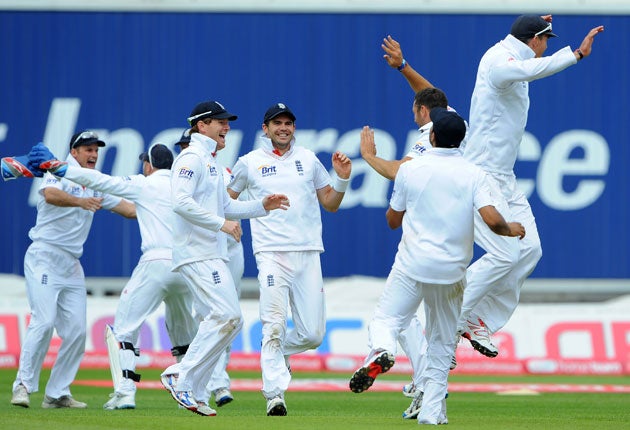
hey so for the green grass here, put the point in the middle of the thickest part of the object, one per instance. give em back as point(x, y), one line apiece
point(329, 411)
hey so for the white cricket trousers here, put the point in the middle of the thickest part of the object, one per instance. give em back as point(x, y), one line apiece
point(396, 306)
point(220, 377)
point(215, 298)
point(288, 278)
point(150, 284)
point(55, 286)
point(493, 282)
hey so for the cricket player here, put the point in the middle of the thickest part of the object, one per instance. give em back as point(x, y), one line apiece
point(433, 200)
point(287, 244)
point(152, 281)
point(55, 282)
point(204, 210)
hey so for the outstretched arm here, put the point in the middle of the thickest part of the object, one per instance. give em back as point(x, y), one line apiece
point(386, 168)
point(394, 57)
point(587, 44)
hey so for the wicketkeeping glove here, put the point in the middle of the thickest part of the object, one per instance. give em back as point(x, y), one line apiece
point(25, 165)
point(41, 156)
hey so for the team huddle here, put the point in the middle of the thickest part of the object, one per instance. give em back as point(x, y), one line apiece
point(456, 187)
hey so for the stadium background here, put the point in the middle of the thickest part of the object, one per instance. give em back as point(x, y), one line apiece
point(133, 70)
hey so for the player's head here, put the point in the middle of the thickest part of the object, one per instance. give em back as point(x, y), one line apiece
point(533, 31)
point(448, 130)
point(424, 101)
point(84, 148)
point(184, 140)
point(279, 125)
point(158, 156)
point(211, 119)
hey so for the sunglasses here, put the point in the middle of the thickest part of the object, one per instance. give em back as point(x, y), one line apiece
point(544, 30)
point(84, 135)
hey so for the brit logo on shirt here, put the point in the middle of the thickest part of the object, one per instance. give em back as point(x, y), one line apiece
point(216, 278)
point(299, 168)
point(185, 173)
point(419, 148)
point(212, 170)
point(267, 170)
point(270, 281)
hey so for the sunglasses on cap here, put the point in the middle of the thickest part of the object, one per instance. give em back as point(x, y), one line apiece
point(544, 30)
point(84, 135)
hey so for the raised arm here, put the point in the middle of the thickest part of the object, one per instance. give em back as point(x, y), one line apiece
point(394, 57)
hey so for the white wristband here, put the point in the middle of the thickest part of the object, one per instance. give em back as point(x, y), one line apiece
point(341, 185)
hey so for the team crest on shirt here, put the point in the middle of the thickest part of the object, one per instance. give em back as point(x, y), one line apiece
point(299, 168)
point(216, 278)
point(185, 173)
point(267, 170)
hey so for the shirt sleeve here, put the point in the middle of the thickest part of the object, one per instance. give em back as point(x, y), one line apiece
point(321, 177)
point(398, 201)
point(186, 173)
point(239, 176)
point(512, 70)
point(482, 193)
point(128, 187)
point(50, 181)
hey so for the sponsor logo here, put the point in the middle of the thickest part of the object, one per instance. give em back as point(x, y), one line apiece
point(267, 171)
point(185, 173)
point(418, 148)
point(212, 170)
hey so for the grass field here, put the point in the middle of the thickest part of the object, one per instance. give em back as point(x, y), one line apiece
point(329, 410)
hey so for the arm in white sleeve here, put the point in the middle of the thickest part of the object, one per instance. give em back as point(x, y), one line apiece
point(243, 209)
point(184, 179)
point(128, 187)
point(531, 69)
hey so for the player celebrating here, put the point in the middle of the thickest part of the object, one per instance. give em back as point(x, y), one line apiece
point(287, 244)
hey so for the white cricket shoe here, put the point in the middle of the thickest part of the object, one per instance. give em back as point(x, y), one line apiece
point(21, 397)
point(409, 390)
point(479, 337)
point(276, 407)
point(120, 401)
point(414, 408)
point(222, 396)
point(205, 410)
point(62, 402)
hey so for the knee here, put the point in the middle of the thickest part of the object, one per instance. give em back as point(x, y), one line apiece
point(312, 339)
point(233, 324)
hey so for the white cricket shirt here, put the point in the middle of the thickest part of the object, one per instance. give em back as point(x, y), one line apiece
point(199, 196)
point(439, 192)
point(66, 228)
point(150, 194)
point(298, 174)
point(500, 101)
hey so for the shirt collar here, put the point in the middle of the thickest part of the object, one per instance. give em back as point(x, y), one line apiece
point(515, 46)
point(267, 146)
point(204, 142)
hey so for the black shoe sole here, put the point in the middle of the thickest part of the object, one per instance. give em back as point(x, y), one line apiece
point(277, 411)
point(361, 380)
point(482, 349)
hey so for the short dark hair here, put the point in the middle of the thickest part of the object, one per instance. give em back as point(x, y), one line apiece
point(431, 98)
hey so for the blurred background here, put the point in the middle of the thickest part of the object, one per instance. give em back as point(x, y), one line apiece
point(133, 70)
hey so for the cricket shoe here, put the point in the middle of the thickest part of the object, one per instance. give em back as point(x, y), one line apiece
point(479, 337)
point(276, 407)
point(120, 401)
point(21, 397)
point(453, 364)
point(409, 390)
point(364, 377)
point(205, 410)
point(413, 410)
point(183, 398)
point(62, 402)
point(222, 396)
